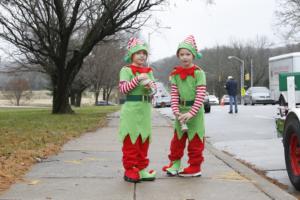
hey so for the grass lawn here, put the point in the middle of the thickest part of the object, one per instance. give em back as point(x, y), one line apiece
point(29, 134)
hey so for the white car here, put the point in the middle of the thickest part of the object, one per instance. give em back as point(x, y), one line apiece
point(213, 100)
point(258, 95)
point(163, 100)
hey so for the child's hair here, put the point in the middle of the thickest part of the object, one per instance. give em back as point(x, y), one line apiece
point(177, 53)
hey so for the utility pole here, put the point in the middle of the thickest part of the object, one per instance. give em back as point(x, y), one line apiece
point(242, 74)
point(251, 71)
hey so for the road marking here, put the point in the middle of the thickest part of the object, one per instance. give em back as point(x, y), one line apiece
point(232, 176)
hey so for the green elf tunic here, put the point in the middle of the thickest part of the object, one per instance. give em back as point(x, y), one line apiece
point(135, 115)
point(187, 92)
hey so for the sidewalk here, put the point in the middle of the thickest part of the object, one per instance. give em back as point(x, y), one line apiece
point(89, 168)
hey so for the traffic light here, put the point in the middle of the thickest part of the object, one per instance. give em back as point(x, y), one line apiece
point(247, 77)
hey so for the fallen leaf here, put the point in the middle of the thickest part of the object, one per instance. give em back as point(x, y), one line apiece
point(34, 182)
point(76, 162)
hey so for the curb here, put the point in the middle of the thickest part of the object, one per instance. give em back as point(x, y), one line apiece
point(271, 190)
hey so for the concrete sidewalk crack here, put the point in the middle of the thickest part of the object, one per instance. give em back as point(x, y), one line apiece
point(134, 191)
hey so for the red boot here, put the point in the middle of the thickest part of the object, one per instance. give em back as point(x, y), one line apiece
point(132, 175)
point(191, 171)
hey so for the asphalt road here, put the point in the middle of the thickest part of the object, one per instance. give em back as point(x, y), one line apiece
point(252, 122)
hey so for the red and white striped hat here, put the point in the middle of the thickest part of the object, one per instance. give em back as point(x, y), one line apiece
point(133, 42)
point(191, 40)
point(134, 45)
point(190, 44)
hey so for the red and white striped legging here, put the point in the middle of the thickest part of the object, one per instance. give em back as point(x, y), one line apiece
point(198, 102)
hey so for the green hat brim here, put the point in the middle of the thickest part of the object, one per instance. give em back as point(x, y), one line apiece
point(133, 50)
point(189, 47)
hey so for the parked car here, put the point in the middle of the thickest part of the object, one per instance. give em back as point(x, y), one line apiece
point(213, 100)
point(105, 103)
point(225, 99)
point(161, 100)
point(258, 95)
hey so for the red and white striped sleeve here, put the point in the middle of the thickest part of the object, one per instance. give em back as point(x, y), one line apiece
point(127, 86)
point(200, 95)
point(175, 99)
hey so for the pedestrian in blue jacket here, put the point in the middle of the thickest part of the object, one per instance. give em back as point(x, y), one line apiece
point(231, 87)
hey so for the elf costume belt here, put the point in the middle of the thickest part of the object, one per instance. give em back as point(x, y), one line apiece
point(143, 98)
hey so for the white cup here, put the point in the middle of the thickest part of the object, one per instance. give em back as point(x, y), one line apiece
point(184, 127)
point(146, 82)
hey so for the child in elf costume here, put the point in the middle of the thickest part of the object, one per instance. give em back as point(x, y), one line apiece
point(188, 87)
point(137, 83)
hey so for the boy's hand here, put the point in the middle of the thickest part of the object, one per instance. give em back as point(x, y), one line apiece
point(177, 115)
point(183, 118)
point(142, 76)
point(148, 86)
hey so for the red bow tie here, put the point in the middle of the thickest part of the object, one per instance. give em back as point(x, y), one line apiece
point(140, 69)
point(184, 72)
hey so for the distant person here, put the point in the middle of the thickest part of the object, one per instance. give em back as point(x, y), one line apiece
point(231, 87)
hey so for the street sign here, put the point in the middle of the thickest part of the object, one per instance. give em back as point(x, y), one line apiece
point(247, 77)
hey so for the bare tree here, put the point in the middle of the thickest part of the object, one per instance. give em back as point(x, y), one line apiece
point(111, 75)
point(42, 30)
point(289, 17)
point(95, 69)
point(102, 67)
point(17, 89)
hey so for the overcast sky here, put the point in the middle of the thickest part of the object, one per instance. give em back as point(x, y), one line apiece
point(214, 24)
point(210, 24)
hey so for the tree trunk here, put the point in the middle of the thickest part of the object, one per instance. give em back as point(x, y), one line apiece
point(104, 94)
point(78, 99)
point(60, 101)
point(108, 93)
point(96, 97)
point(18, 101)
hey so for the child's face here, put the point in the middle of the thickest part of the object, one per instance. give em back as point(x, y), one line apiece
point(186, 57)
point(139, 58)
